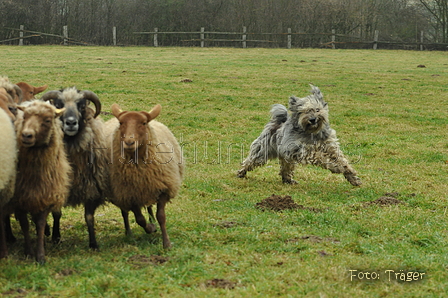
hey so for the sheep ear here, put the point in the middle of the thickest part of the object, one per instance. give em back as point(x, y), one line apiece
point(40, 89)
point(153, 113)
point(116, 111)
point(59, 112)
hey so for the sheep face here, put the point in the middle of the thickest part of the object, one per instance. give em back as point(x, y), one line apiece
point(38, 123)
point(29, 91)
point(76, 111)
point(134, 126)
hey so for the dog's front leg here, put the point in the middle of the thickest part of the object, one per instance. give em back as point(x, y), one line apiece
point(333, 159)
point(287, 171)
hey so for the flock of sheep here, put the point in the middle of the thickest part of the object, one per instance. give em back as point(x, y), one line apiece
point(56, 152)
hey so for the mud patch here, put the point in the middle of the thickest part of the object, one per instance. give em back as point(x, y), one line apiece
point(140, 261)
point(279, 203)
point(64, 273)
point(384, 201)
point(220, 283)
point(226, 224)
point(15, 293)
point(314, 239)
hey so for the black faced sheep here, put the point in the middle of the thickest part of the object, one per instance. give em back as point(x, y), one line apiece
point(8, 158)
point(43, 171)
point(146, 166)
point(85, 144)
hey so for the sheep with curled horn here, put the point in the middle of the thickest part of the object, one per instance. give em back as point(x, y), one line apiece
point(85, 144)
point(146, 166)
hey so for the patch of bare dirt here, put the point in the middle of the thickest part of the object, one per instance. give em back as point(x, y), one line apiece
point(388, 199)
point(226, 224)
point(421, 66)
point(186, 81)
point(15, 293)
point(140, 261)
point(314, 239)
point(64, 273)
point(220, 283)
point(279, 203)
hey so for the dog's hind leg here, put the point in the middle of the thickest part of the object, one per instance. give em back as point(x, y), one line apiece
point(258, 156)
point(287, 171)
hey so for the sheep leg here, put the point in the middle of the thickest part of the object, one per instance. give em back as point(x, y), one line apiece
point(40, 219)
point(141, 220)
point(56, 236)
point(8, 230)
point(89, 215)
point(152, 218)
point(25, 226)
point(127, 227)
point(161, 218)
point(3, 248)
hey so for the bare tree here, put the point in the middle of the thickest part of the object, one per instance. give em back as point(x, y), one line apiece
point(439, 11)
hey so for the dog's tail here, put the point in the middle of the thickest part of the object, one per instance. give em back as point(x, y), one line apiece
point(279, 114)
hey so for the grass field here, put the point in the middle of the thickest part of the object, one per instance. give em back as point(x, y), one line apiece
point(391, 117)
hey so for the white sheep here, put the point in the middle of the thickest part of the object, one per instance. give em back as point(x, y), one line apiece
point(146, 166)
point(8, 159)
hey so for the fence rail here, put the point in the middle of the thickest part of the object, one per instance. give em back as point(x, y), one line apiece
point(204, 38)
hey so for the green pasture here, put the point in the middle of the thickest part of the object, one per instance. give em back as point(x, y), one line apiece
point(390, 111)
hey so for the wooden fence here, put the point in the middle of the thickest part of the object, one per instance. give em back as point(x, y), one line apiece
point(204, 38)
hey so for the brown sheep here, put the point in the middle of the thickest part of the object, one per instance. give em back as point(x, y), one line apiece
point(146, 166)
point(8, 159)
point(8, 104)
point(13, 90)
point(43, 171)
point(29, 91)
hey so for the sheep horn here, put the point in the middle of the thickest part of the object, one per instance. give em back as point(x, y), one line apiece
point(51, 95)
point(89, 95)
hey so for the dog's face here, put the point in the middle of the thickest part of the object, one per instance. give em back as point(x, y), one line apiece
point(311, 111)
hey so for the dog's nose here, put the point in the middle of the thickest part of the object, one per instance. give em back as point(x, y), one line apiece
point(312, 120)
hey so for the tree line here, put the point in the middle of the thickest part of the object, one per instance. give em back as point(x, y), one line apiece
point(92, 20)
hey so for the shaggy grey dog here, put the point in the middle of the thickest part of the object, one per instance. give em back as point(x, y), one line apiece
point(303, 136)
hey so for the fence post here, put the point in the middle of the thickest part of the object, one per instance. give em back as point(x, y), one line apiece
point(156, 43)
point(65, 33)
point(375, 40)
point(202, 37)
point(333, 38)
point(289, 38)
point(421, 40)
point(21, 35)
point(244, 37)
point(114, 35)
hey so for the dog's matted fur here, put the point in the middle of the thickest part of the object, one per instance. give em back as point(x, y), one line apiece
point(302, 136)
